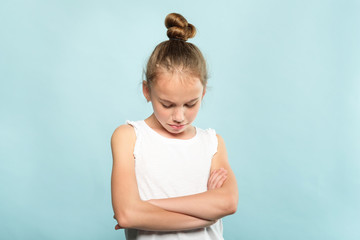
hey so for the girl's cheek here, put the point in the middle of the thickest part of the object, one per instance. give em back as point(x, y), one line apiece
point(193, 113)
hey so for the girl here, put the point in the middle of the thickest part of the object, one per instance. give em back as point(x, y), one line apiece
point(171, 180)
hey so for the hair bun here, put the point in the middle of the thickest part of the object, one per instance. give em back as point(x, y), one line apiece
point(178, 27)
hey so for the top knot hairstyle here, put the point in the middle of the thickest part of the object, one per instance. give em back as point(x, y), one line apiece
point(176, 54)
point(178, 27)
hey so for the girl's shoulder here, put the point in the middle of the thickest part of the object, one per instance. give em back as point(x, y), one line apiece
point(208, 138)
point(124, 131)
point(208, 132)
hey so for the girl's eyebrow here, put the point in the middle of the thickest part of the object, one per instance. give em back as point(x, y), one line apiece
point(167, 101)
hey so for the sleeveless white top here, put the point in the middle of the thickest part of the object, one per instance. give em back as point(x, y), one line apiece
point(166, 168)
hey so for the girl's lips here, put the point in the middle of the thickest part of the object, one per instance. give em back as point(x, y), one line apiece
point(176, 127)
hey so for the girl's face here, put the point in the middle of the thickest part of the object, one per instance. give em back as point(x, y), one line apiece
point(176, 99)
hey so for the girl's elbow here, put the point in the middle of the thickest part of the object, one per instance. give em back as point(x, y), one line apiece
point(121, 220)
point(129, 216)
point(124, 219)
point(231, 206)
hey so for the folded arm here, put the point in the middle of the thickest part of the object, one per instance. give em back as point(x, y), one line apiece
point(130, 211)
point(212, 204)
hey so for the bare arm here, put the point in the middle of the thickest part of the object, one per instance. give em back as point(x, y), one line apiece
point(130, 211)
point(212, 204)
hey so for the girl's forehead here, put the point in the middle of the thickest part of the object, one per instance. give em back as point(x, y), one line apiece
point(177, 87)
point(177, 79)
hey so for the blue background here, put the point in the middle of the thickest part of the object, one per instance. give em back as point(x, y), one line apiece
point(284, 93)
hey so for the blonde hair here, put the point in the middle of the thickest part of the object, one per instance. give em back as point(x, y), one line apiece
point(176, 54)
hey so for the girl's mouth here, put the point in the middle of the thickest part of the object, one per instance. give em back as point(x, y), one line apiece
point(177, 127)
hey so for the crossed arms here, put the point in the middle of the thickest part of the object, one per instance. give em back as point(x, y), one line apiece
point(171, 214)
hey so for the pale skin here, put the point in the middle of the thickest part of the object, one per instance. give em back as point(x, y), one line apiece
point(176, 99)
point(216, 180)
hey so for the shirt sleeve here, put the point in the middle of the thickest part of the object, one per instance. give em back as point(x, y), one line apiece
point(213, 141)
point(138, 137)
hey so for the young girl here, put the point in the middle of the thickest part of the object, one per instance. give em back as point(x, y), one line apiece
point(171, 180)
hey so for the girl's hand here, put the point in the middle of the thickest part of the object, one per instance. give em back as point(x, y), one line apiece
point(216, 178)
point(117, 226)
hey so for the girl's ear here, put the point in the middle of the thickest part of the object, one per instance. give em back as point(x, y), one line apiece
point(204, 91)
point(146, 91)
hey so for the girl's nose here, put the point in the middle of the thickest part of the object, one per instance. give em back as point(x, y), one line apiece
point(178, 115)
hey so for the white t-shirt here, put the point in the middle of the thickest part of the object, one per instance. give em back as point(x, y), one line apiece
point(168, 168)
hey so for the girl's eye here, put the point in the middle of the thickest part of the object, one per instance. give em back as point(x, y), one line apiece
point(171, 105)
point(166, 106)
point(190, 105)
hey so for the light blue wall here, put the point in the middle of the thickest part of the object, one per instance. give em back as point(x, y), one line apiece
point(285, 95)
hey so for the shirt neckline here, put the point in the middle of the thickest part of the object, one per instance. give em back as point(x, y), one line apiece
point(170, 139)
